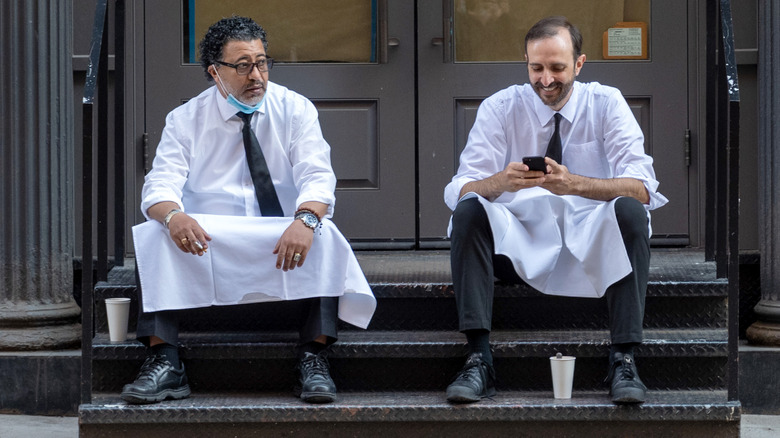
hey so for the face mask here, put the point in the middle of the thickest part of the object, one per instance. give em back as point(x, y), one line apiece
point(241, 106)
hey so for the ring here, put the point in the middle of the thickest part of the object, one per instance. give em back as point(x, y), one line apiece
point(184, 241)
point(296, 256)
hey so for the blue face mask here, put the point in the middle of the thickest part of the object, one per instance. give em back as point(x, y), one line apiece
point(244, 108)
point(241, 106)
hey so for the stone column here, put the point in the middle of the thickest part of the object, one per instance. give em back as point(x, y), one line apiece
point(766, 331)
point(37, 310)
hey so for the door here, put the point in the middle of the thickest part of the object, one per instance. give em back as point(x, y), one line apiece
point(355, 62)
point(398, 114)
point(469, 49)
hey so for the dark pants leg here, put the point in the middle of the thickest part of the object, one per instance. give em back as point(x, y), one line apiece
point(474, 266)
point(626, 298)
point(164, 325)
point(319, 316)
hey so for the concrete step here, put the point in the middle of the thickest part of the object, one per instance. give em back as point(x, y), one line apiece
point(411, 414)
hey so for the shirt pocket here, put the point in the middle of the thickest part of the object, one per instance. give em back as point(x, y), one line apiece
point(586, 159)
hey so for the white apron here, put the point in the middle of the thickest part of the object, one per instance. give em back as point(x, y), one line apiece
point(240, 268)
point(559, 245)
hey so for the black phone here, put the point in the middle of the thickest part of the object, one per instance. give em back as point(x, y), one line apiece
point(535, 163)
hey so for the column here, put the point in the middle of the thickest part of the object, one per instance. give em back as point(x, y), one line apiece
point(37, 310)
point(766, 331)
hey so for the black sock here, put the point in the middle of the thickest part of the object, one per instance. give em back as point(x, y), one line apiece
point(479, 342)
point(627, 348)
point(312, 347)
point(170, 352)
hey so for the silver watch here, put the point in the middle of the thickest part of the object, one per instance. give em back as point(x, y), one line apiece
point(309, 219)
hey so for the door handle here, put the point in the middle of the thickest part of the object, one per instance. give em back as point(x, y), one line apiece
point(393, 42)
point(446, 26)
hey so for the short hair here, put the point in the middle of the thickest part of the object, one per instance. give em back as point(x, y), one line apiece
point(233, 28)
point(549, 27)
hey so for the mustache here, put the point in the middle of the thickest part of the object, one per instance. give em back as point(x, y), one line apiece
point(554, 84)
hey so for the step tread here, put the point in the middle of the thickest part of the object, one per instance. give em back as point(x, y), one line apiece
point(527, 343)
point(433, 268)
point(412, 406)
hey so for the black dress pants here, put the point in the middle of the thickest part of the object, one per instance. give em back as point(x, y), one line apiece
point(475, 264)
point(319, 316)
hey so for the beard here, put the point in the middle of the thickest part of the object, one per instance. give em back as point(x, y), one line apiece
point(564, 88)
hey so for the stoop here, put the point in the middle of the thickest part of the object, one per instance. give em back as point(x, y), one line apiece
point(392, 377)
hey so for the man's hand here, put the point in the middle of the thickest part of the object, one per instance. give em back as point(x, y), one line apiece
point(561, 182)
point(185, 231)
point(188, 235)
point(516, 176)
point(292, 247)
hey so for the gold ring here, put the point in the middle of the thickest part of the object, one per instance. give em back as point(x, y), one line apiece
point(184, 241)
point(296, 256)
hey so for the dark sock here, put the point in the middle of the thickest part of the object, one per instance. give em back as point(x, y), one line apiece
point(627, 348)
point(479, 342)
point(312, 347)
point(170, 352)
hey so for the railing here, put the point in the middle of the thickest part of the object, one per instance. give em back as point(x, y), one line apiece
point(97, 105)
point(722, 203)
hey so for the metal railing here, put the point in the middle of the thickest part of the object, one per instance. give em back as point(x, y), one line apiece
point(722, 177)
point(95, 105)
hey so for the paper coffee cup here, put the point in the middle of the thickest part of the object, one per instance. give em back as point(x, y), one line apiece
point(117, 310)
point(562, 368)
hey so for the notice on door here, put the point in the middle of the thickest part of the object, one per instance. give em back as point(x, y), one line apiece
point(627, 40)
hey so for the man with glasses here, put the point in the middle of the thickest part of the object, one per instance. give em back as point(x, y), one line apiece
point(252, 152)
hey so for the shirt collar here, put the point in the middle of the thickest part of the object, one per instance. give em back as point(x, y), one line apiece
point(545, 113)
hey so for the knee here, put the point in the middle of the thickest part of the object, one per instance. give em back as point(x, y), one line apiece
point(469, 215)
point(631, 217)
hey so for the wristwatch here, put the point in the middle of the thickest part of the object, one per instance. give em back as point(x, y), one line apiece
point(170, 215)
point(309, 219)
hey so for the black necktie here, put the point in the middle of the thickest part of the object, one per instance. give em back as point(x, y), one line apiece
point(554, 147)
point(258, 168)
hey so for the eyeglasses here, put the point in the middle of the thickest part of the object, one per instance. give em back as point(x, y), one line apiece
point(244, 68)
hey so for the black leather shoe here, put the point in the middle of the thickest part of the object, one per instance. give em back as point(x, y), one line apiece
point(157, 381)
point(626, 386)
point(474, 382)
point(314, 382)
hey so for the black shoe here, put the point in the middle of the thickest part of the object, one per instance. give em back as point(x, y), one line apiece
point(626, 386)
point(315, 384)
point(474, 382)
point(157, 381)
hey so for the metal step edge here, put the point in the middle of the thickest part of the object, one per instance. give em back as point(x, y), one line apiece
point(584, 343)
point(516, 407)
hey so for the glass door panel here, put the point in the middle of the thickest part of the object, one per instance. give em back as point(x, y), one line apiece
point(298, 30)
point(480, 24)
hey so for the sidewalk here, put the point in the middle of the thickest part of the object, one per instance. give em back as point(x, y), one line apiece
point(753, 426)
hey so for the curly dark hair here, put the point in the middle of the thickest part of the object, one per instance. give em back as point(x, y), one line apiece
point(549, 27)
point(233, 28)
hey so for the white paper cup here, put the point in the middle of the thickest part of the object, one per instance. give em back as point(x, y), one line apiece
point(562, 368)
point(117, 310)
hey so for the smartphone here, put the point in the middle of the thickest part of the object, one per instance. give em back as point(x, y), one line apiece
point(535, 163)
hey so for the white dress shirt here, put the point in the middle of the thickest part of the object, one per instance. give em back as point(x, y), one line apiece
point(562, 245)
point(201, 163)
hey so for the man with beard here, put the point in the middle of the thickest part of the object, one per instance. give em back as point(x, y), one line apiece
point(242, 165)
point(576, 224)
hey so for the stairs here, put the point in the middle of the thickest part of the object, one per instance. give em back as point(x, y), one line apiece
point(391, 378)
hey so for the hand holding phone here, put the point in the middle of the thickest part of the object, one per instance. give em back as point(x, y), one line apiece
point(535, 163)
